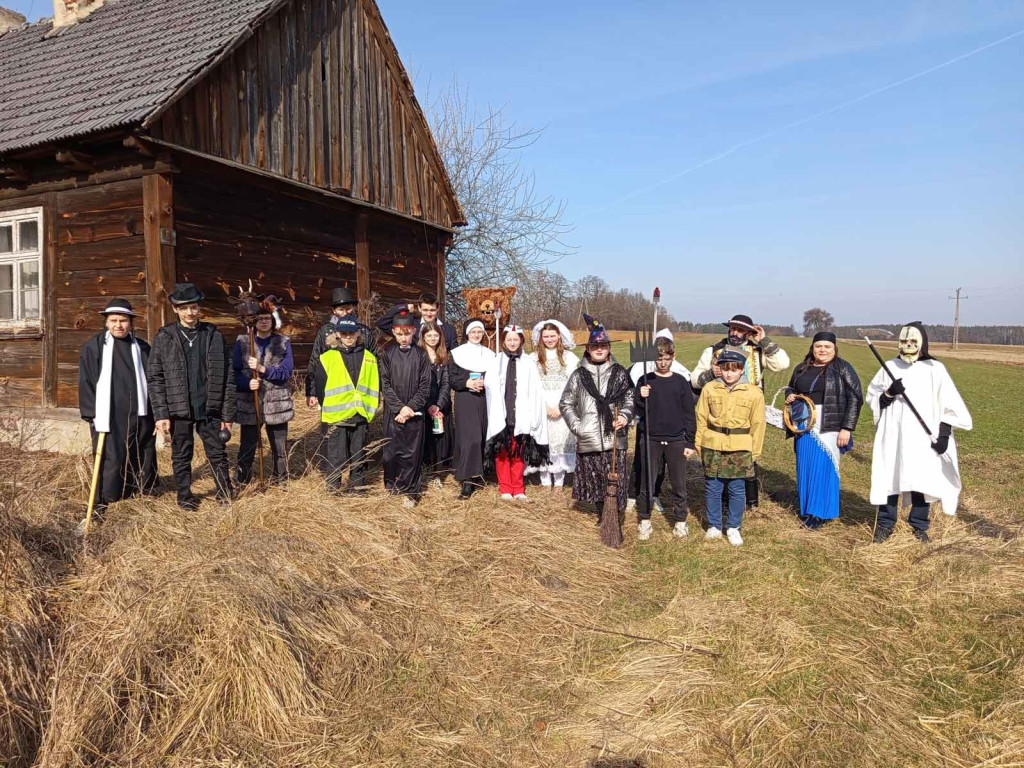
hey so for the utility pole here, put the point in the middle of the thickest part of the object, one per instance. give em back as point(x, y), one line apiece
point(956, 317)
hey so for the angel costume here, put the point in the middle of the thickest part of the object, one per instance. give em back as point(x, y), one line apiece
point(469, 361)
point(554, 375)
point(905, 461)
point(517, 421)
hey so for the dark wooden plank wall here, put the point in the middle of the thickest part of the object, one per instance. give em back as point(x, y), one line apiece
point(319, 95)
point(98, 253)
point(299, 250)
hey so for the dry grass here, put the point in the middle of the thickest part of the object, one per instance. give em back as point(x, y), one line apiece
point(296, 629)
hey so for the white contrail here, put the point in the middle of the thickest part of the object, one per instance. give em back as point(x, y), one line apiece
point(803, 121)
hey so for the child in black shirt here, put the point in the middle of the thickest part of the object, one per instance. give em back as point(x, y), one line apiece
point(668, 403)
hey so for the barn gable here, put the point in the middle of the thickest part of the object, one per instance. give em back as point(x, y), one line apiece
point(308, 90)
point(319, 95)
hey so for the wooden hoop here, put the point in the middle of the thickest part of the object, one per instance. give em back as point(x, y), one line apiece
point(810, 420)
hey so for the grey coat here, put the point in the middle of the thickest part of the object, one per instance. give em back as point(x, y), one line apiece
point(579, 409)
point(275, 397)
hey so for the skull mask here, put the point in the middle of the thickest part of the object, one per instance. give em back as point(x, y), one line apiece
point(911, 343)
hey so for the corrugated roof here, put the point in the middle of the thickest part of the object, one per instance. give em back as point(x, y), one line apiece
point(111, 69)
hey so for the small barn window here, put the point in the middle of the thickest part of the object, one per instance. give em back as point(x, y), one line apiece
point(20, 265)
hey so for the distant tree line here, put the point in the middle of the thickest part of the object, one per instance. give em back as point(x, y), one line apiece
point(542, 294)
point(771, 329)
point(969, 334)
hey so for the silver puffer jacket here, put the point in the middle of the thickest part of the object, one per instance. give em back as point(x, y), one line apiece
point(579, 409)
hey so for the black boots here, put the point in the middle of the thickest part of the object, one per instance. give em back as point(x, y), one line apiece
point(468, 489)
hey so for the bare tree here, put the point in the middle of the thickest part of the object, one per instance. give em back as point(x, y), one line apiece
point(817, 319)
point(512, 230)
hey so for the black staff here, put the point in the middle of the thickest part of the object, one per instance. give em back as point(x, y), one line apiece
point(910, 405)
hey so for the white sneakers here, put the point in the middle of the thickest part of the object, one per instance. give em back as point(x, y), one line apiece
point(657, 506)
point(644, 530)
point(409, 503)
point(521, 497)
point(506, 497)
point(733, 535)
point(713, 533)
point(681, 530)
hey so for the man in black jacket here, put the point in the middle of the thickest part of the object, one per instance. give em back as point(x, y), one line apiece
point(428, 305)
point(343, 304)
point(112, 397)
point(192, 390)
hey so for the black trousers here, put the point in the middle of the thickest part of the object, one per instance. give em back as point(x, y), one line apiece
point(403, 454)
point(128, 466)
point(637, 475)
point(671, 455)
point(344, 447)
point(183, 446)
point(277, 437)
point(889, 513)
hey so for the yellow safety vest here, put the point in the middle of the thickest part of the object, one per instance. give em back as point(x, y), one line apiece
point(342, 398)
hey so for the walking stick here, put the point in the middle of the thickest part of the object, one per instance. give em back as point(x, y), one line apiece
point(93, 488)
point(910, 405)
point(256, 403)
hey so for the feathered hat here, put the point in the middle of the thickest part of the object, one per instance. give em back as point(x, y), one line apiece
point(598, 334)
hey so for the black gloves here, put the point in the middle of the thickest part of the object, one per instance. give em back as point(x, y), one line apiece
point(895, 389)
point(941, 445)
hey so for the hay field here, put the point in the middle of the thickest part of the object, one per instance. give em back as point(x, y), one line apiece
point(297, 629)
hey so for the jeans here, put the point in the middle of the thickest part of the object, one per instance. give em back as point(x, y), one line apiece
point(713, 488)
point(889, 512)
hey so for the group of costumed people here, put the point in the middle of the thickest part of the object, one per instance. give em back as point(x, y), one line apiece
point(472, 412)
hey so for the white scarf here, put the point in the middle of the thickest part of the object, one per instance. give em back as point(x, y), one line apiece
point(531, 414)
point(472, 357)
point(102, 421)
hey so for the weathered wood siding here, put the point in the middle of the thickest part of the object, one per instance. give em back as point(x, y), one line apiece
point(318, 94)
point(297, 248)
point(94, 251)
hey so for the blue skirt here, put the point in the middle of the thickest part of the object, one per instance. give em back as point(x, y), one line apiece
point(817, 472)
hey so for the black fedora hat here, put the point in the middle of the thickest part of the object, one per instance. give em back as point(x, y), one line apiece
point(118, 307)
point(342, 296)
point(743, 321)
point(185, 293)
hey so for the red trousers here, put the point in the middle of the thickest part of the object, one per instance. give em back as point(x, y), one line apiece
point(510, 472)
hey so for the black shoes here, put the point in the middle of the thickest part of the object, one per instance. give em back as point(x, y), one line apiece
point(189, 503)
point(922, 536)
point(881, 534)
point(468, 489)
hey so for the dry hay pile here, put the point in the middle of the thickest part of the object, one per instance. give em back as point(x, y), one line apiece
point(36, 542)
point(297, 629)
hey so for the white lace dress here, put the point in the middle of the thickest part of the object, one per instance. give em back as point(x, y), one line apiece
point(561, 441)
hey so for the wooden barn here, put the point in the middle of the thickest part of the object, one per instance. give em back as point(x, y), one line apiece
point(144, 142)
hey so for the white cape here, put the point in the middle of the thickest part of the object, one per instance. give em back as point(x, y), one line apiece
point(531, 415)
point(471, 357)
point(903, 459)
point(638, 370)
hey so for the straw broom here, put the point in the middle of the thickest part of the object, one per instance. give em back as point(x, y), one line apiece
point(611, 526)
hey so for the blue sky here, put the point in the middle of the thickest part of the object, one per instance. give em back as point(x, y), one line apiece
point(751, 156)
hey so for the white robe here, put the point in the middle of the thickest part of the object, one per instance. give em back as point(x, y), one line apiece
point(903, 459)
point(531, 415)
